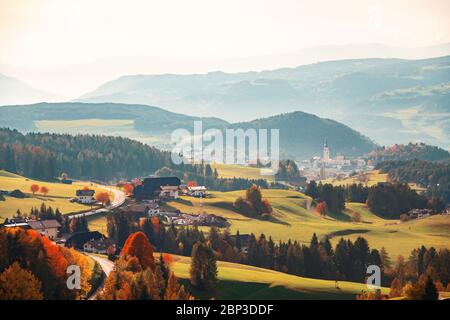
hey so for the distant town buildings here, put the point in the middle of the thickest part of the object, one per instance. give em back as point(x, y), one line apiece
point(325, 167)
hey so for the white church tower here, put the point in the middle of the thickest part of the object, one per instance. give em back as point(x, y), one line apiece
point(326, 152)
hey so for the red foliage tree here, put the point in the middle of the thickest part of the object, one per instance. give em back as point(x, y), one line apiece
point(44, 190)
point(103, 197)
point(137, 245)
point(34, 188)
point(192, 184)
point(322, 208)
point(128, 188)
point(168, 258)
point(155, 224)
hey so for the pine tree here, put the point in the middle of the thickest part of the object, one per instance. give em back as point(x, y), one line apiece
point(203, 270)
point(430, 291)
point(385, 259)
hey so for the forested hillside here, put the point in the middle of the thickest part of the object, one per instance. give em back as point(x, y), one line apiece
point(409, 151)
point(301, 134)
point(46, 156)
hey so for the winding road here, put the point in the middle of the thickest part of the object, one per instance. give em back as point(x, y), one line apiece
point(118, 200)
point(107, 266)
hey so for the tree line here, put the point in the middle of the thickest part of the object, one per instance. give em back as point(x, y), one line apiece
point(347, 261)
point(434, 176)
point(389, 200)
point(204, 174)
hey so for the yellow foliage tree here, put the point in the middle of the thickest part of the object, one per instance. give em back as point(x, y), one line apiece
point(75, 258)
point(19, 284)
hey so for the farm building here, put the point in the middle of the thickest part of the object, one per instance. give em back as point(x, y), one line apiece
point(47, 228)
point(157, 187)
point(100, 246)
point(85, 196)
point(78, 239)
point(197, 191)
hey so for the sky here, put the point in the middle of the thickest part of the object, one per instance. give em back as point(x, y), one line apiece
point(44, 35)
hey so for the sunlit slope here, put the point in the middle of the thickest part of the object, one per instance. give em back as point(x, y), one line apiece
point(292, 219)
point(238, 281)
point(57, 197)
point(237, 171)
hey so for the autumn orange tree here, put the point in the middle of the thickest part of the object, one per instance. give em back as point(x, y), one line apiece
point(103, 197)
point(322, 208)
point(44, 190)
point(19, 284)
point(192, 184)
point(137, 276)
point(34, 188)
point(128, 188)
point(253, 203)
point(45, 260)
point(137, 245)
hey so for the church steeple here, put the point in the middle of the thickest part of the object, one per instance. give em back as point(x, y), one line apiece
point(326, 151)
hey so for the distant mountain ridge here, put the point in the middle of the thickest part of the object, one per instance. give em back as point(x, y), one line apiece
point(301, 134)
point(15, 91)
point(390, 100)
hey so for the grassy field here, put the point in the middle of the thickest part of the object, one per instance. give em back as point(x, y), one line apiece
point(241, 282)
point(58, 196)
point(236, 171)
point(369, 179)
point(98, 223)
point(292, 220)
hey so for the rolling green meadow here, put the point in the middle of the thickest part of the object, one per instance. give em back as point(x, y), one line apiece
point(238, 281)
point(292, 220)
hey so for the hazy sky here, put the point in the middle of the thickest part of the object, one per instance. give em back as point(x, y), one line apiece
point(50, 33)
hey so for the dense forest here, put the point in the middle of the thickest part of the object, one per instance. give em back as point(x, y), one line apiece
point(332, 196)
point(434, 176)
point(45, 156)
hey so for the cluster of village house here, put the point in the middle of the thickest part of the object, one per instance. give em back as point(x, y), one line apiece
point(423, 213)
point(147, 198)
point(92, 241)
